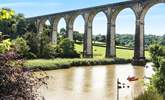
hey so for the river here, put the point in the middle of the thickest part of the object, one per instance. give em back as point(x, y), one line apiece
point(95, 82)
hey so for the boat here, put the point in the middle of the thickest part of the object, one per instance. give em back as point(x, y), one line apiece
point(133, 78)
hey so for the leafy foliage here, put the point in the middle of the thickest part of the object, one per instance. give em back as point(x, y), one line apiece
point(68, 50)
point(149, 95)
point(21, 47)
point(33, 43)
point(6, 14)
point(13, 25)
point(16, 82)
point(158, 58)
point(156, 53)
point(5, 46)
point(77, 36)
point(52, 51)
point(125, 40)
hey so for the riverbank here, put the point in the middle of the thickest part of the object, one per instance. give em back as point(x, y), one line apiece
point(53, 64)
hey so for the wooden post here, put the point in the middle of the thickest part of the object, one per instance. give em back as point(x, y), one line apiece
point(117, 88)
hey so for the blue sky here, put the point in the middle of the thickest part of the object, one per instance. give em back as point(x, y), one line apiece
point(154, 21)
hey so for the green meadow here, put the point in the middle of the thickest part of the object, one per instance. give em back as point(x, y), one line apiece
point(99, 51)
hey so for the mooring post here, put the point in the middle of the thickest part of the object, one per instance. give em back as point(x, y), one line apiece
point(117, 88)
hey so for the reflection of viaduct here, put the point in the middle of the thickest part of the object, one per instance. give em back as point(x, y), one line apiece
point(139, 7)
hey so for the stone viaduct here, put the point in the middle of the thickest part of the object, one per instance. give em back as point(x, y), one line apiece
point(139, 7)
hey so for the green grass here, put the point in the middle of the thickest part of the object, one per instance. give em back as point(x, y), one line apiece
point(52, 64)
point(99, 51)
point(124, 53)
point(149, 95)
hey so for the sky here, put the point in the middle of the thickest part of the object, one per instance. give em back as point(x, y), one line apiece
point(125, 24)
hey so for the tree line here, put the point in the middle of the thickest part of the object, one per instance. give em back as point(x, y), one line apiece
point(124, 39)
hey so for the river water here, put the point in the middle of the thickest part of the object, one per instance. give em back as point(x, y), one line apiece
point(95, 83)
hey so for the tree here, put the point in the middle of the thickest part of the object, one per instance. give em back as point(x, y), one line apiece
point(32, 42)
point(43, 41)
point(68, 50)
point(156, 52)
point(31, 27)
point(16, 82)
point(100, 38)
point(77, 36)
point(38, 42)
point(158, 58)
point(15, 26)
point(63, 33)
point(6, 14)
point(162, 42)
point(21, 25)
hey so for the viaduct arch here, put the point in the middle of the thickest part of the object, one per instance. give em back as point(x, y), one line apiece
point(139, 7)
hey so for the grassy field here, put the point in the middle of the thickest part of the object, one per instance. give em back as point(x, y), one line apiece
point(124, 55)
point(99, 51)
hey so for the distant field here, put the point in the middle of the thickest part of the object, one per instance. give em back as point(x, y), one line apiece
point(99, 51)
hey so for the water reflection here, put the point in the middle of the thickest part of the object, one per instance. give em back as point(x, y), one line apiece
point(94, 83)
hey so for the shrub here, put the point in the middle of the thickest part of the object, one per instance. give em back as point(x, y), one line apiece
point(38, 43)
point(52, 51)
point(149, 95)
point(16, 82)
point(32, 42)
point(21, 47)
point(162, 67)
point(158, 80)
point(5, 46)
point(156, 53)
point(68, 50)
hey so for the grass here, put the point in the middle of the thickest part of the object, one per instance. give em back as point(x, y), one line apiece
point(149, 95)
point(52, 64)
point(99, 51)
point(124, 53)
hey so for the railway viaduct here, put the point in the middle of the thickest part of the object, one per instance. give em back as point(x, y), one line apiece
point(139, 7)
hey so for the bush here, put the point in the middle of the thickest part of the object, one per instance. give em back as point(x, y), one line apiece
point(32, 42)
point(52, 51)
point(149, 95)
point(5, 46)
point(68, 50)
point(16, 82)
point(21, 47)
point(38, 43)
point(158, 80)
point(156, 52)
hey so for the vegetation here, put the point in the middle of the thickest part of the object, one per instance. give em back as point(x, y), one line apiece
point(150, 94)
point(19, 40)
point(21, 47)
point(99, 51)
point(13, 27)
point(126, 40)
point(52, 64)
point(16, 82)
point(158, 80)
point(68, 50)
